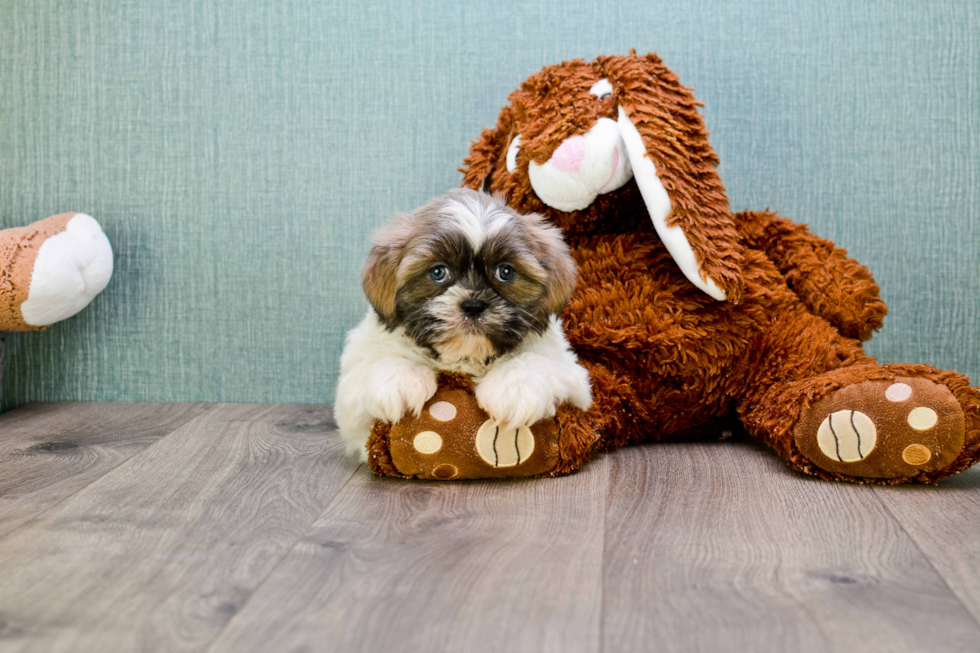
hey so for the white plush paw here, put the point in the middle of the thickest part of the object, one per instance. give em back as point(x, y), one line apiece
point(516, 397)
point(399, 389)
point(71, 268)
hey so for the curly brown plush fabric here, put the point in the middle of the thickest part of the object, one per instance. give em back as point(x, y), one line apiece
point(669, 361)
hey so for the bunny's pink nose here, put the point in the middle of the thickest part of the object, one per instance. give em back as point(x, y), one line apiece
point(568, 157)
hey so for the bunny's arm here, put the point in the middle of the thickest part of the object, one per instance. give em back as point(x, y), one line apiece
point(830, 284)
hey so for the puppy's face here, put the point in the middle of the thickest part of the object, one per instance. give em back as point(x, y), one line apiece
point(468, 277)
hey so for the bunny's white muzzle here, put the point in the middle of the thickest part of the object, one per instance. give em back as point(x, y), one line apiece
point(582, 168)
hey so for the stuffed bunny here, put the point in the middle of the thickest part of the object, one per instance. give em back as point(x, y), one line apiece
point(688, 316)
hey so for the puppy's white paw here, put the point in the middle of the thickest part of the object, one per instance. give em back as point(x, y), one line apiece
point(516, 397)
point(580, 388)
point(399, 388)
point(356, 450)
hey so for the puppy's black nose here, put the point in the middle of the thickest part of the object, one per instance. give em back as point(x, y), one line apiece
point(473, 307)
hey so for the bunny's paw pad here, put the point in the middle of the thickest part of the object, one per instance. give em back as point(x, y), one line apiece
point(883, 429)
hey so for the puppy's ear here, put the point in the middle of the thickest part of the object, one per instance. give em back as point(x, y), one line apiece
point(675, 168)
point(485, 166)
point(379, 277)
point(555, 257)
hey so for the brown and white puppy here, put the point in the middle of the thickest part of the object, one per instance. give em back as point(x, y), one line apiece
point(463, 284)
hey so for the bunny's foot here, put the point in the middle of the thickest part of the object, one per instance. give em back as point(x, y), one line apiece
point(884, 429)
point(922, 425)
point(51, 270)
point(454, 439)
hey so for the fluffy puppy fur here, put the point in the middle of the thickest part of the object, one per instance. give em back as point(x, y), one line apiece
point(464, 284)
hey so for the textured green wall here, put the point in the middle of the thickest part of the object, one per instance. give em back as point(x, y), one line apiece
point(238, 153)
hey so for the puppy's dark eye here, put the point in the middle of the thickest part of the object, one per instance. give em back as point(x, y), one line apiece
point(605, 96)
point(505, 273)
point(439, 273)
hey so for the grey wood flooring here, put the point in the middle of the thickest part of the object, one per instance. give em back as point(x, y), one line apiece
point(237, 528)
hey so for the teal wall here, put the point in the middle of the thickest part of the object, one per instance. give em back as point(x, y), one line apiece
point(238, 152)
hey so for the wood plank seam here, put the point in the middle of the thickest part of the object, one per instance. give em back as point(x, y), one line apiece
point(106, 473)
point(605, 535)
point(475, 566)
point(761, 559)
point(912, 538)
point(174, 540)
point(333, 499)
point(40, 515)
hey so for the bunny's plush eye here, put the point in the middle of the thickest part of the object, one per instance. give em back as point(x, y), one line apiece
point(515, 145)
point(602, 89)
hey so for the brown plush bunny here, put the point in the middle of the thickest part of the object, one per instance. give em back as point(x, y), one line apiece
point(688, 316)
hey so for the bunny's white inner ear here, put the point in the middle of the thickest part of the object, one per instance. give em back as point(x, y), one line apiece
point(658, 206)
point(515, 144)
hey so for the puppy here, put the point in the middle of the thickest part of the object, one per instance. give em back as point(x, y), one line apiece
point(463, 284)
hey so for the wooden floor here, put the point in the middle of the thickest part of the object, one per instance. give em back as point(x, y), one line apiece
point(235, 528)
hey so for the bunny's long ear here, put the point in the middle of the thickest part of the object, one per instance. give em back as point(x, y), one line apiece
point(676, 171)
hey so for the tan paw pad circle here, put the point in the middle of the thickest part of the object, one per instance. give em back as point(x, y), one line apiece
point(847, 436)
point(502, 447)
point(922, 418)
point(916, 454)
point(443, 411)
point(427, 442)
point(898, 392)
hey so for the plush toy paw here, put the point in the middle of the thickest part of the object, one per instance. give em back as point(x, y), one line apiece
point(51, 270)
point(453, 438)
point(884, 429)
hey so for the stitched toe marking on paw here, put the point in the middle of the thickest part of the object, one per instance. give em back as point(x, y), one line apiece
point(922, 418)
point(504, 447)
point(898, 392)
point(847, 436)
point(427, 442)
point(916, 454)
